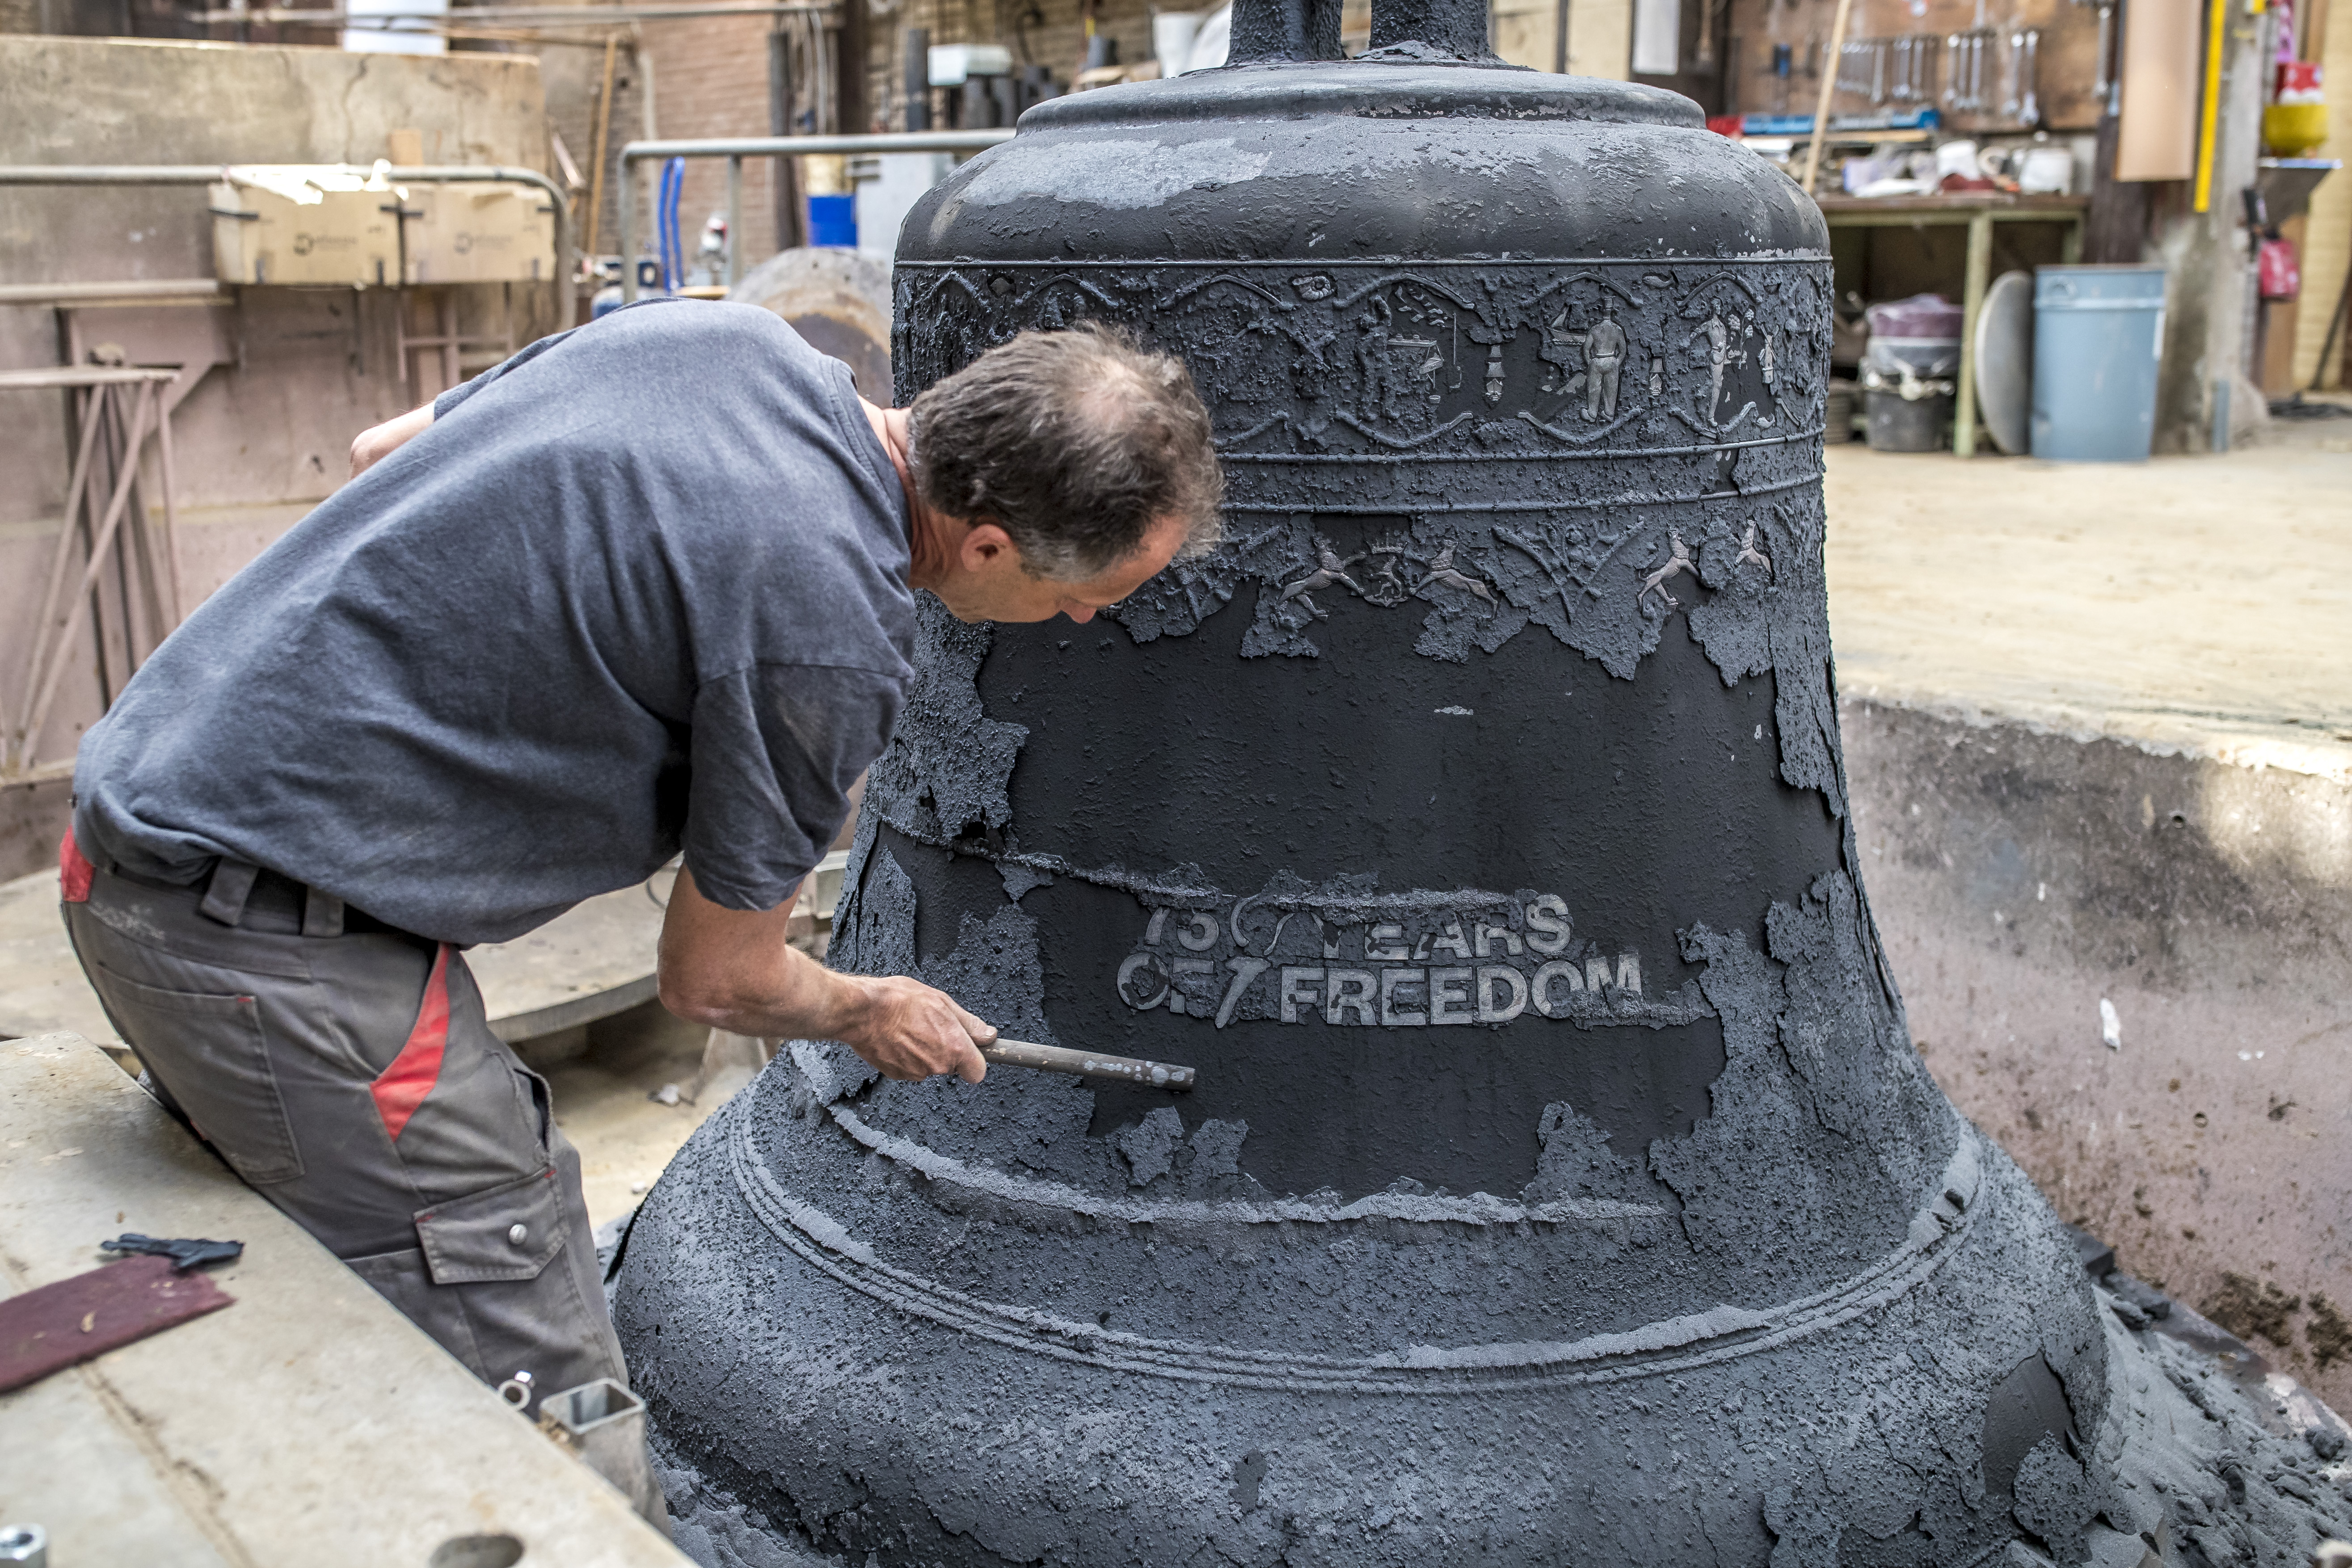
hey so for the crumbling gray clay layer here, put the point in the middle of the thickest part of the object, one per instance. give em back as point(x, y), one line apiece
point(1561, 1185)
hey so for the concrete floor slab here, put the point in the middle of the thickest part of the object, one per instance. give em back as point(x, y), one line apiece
point(308, 1422)
point(2201, 605)
point(2020, 879)
point(605, 1102)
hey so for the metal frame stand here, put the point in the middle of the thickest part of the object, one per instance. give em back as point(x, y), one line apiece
point(117, 408)
point(448, 340)
point(567, 254)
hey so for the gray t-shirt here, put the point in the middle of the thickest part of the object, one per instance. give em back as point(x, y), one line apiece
point(642, 587)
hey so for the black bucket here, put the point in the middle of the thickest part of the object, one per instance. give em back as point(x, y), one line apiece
point(1897, 424)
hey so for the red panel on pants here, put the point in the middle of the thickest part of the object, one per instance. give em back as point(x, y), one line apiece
point(74, 870)
point(401, 1087)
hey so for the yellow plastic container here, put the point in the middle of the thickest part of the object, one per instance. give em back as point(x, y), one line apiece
point(2294, 129)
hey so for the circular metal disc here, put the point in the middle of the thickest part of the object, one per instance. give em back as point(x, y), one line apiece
point(838, 300)
point(2004, 350)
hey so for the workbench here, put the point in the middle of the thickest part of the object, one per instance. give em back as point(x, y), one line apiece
point(1979, 211)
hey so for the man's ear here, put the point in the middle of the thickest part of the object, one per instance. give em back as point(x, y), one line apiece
point(984, 546)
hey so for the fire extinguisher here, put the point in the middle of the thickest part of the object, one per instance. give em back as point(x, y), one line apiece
point(2278, 275)
point(2277, 272)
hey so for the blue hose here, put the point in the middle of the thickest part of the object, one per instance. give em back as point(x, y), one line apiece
point(661, 229)
point(661, 222)
point(673, 257)
point(677, 243)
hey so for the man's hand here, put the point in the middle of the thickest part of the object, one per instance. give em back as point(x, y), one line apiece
point(733, 970)
point(379, 442)
point(910, 1031)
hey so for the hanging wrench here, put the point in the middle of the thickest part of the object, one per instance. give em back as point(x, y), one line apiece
point(2030, 106)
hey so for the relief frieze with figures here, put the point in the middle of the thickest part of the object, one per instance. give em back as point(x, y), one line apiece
point(1590, 447)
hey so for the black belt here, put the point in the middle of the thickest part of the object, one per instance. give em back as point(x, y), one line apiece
point(231, 886)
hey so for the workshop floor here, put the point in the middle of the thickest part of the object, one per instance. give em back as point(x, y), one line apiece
point(605, 1103)
point(2199, 604)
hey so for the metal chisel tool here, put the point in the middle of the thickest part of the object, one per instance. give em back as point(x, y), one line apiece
point(1090, 1064)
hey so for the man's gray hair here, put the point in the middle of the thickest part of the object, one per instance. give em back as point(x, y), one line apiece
point(1075, 443)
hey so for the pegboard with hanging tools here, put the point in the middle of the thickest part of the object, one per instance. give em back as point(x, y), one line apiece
point(1985, 66)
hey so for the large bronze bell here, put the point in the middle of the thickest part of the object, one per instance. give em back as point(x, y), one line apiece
point(1561, 1184)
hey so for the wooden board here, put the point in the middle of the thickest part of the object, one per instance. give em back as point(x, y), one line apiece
point(2156, 139)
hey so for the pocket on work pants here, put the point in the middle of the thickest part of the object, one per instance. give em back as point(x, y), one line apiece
point(209, 1051)
point(488, 1281)
point(463, 1115)
point(508, 1232)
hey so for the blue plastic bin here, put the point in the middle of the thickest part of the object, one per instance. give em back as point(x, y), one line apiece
point(833, 220)
point(2098, 336)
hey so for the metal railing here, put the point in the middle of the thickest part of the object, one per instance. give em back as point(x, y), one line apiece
point(735, 149)
point(567, 261)
point(533, 16)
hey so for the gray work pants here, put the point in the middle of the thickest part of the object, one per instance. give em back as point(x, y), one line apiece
point(352, 1079)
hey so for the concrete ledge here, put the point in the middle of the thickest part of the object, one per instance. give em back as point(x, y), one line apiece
point(2018, 878)
point(307, 1423)
point(594, 960)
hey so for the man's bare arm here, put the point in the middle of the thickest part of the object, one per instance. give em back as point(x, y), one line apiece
point(732, 969)
point(379, 442)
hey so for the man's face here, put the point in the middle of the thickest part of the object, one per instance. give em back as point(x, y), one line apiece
point(991, 585)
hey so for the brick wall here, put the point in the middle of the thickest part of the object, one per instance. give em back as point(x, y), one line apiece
point(710, 78)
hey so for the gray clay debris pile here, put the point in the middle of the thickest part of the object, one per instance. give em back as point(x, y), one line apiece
point(1561, 1185)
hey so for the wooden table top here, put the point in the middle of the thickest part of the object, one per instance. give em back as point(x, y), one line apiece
point(1969, 202)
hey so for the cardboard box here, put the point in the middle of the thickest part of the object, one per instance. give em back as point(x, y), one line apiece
point(349, 238)
point(477, 232)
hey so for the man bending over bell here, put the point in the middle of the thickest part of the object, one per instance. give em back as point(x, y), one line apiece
point(647, 588)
